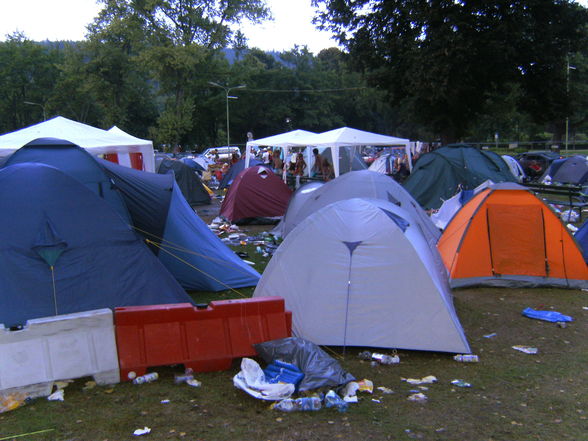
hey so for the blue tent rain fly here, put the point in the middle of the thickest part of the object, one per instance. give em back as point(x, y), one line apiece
point(50, 220)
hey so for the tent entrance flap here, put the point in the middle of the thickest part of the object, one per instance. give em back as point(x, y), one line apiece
point(517, 244)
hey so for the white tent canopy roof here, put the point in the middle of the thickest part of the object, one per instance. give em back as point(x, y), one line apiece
point(95, 141)
point(282, 139)
point(342, 137)
point(346, 136)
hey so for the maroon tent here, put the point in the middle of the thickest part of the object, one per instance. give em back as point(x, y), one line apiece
point(255, 192)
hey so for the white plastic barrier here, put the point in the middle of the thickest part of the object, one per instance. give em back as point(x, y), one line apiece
point(59, 348)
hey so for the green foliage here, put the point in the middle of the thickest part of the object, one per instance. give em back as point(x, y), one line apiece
point(27, 73)
point(443, 59)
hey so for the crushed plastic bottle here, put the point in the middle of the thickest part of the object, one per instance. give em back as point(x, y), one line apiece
point(298, 404)
point(147, 378)
point(466, 358)
point(334, 400)
point(386, 359)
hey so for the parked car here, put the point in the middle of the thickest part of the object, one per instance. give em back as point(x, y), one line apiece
point(224, 153)
point(535, 163)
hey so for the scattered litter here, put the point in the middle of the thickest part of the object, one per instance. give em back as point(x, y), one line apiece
point(183, 378)
point(376, 401)
point(89, 385)
point(194, 383)
point(490, 335)
point(366, 385)
point(144, 431)
point(64, 383)
point(418, 397)
point(248, 262)
point(349, 392)
point(460, 383)
point(252, 380)
point(11, 402)
point(562, 324)
point(466, 358)
point(56, 396)
point(569, 216)
point(585, 307)
point(526, 349)
point(385, 390)
point(334, 400)
point(298, 404)
point(549, 316)
point(147, 378)
point(572, 228)
point(425, 380)
point(380, 358)
point(165, 401)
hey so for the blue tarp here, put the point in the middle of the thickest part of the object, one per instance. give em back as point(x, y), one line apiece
point(548, 316)
point(66, 250)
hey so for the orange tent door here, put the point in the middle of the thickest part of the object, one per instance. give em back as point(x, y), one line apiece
point(517, 239)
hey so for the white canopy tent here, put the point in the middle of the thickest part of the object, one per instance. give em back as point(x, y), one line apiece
point(95, 141)
point(282, 140)
point(353, 138)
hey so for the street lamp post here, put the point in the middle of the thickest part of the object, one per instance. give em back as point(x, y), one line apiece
point(30, 103)
point(568, 98)
point(227, 90)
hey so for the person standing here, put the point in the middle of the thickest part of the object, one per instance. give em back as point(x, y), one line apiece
point(299, 168)
point(317, 168)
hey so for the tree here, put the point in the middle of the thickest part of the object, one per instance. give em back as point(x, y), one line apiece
point(441, 60)
point(180, 40)
point(186, 22)
point(28, 72)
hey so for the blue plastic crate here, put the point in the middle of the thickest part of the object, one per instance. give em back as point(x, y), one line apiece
point(280, 372)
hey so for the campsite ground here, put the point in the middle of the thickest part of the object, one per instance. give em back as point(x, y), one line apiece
point(513, 395)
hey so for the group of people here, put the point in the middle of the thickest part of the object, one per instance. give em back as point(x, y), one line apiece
point(294, 168)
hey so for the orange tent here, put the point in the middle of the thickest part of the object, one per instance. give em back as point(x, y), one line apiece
point(506, 236)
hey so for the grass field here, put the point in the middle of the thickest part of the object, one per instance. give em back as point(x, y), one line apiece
point(514, 396)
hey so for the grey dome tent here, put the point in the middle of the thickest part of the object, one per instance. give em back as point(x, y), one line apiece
point(368, 278)
point(298, 199)
point(361, 184)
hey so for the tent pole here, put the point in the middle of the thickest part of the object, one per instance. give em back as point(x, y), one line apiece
point(54, 290)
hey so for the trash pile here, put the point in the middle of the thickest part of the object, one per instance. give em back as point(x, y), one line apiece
point(231, 234)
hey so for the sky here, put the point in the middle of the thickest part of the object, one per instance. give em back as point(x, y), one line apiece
point(67, 20)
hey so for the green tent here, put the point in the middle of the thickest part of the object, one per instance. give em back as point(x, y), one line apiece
point(440, 174)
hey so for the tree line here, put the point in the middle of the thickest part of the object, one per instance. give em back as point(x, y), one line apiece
point(438, 70)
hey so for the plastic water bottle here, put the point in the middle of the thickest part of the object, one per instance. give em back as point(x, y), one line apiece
point(147, 378)
point(386, 359)
point(334, 400)
point(466, 358)
point(298, 404)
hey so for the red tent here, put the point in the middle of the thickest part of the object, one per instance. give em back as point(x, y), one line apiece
point(255, 192)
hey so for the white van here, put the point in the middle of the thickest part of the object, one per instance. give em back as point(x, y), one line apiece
point(224, 153)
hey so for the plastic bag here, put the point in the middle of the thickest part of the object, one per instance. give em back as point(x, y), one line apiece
point(320, 369)
point(252, 380)
point(549, 316)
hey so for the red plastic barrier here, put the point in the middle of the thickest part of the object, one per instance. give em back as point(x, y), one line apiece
point(201, 339)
